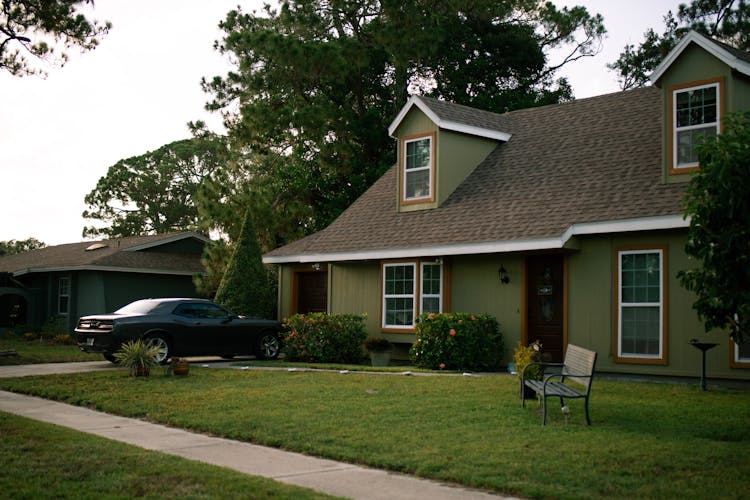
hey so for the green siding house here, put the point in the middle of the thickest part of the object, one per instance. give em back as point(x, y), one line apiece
point(562, 221)
point(64, 282)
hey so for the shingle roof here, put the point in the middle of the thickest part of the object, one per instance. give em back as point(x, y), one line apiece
point(124, 254)
point(586, 161)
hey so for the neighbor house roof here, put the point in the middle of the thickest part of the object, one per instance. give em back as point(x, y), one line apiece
point(130, 254)
point(736, 59)
point(586, 166)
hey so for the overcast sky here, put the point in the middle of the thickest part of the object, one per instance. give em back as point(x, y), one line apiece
point(140, 87)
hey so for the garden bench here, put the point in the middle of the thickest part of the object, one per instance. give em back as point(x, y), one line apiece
point(9, 352)
point(578, 368)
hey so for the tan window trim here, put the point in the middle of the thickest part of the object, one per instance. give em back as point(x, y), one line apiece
point(671, 125)
point(402, 167)
point(663, 360)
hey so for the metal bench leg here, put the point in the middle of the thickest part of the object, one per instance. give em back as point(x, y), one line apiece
point(586, 407)
point(544, 409)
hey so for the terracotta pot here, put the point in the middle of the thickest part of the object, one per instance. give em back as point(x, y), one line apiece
point(181, 368)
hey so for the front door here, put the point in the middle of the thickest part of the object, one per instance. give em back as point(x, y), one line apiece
point(545, 296)
point(312, 292)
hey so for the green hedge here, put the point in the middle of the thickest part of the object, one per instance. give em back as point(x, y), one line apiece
point(325, 338)
point(458, 341)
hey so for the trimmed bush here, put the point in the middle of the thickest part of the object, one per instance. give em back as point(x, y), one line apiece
point(458, 341)
point(325, 338)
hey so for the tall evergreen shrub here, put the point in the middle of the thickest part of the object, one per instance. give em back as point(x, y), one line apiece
point(247, 287)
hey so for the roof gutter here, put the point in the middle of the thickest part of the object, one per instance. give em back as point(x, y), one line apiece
point(586, 228)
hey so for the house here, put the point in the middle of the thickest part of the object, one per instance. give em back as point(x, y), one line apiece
point(64, 282)
point(562, 221)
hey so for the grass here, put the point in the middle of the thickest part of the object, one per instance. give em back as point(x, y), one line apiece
point(35, 351)
point(647, 440)
point(40, 460)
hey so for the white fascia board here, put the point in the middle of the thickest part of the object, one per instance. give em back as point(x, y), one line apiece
point(478, 131)
point(171, 239)
point(620, 226)
point(170, 272)
point(444, 124)
point(720, 53)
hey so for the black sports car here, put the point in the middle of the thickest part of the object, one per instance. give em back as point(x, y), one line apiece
point(179, 327)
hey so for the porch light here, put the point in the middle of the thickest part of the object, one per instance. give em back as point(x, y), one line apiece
point(503, 275)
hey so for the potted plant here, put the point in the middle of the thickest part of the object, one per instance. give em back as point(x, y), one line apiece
point(522, 356)
point(138, 356)
point(380, 350)
point(178, 366)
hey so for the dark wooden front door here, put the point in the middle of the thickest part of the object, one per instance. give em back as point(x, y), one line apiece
point(312, 292)
point(545, 295)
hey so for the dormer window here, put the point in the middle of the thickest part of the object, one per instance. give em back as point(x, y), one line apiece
point(696, 112)
point(418, 153)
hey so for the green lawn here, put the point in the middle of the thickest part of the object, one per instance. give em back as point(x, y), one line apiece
point(40, 460)
point(34, 351)
point(647, 440)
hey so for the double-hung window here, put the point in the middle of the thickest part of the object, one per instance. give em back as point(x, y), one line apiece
point(431, 291)
point(696, 113)
point(399, 295)
point(63, 295)
point(741, 354)
point(418, 163)
point(410, 289)
point(640, 306)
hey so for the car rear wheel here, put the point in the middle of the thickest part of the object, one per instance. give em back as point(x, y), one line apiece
point(162, 344)
point(268, 346)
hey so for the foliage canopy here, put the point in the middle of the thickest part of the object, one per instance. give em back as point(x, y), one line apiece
point(155, 192)
point(718, 204)
point(45, 30)
point(11, 247)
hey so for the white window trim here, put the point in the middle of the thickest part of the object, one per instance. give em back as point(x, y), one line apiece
point(412, 296)
point(737, 358)
point(60, 295)
point(423, 295)
point(660, 305)
point(675, 129)
point(429, 168)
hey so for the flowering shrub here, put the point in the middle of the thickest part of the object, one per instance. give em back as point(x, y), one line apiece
point(458, 341)
point(325, 338)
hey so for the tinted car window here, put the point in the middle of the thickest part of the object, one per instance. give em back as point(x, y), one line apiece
point(187, 310)
point(211, 311)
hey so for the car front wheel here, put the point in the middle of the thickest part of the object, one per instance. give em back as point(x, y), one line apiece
point(162, 345)
point(268, 346)
point(110, 357)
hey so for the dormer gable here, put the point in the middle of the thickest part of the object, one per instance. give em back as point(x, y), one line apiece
point(439, 145)
point(701, 80)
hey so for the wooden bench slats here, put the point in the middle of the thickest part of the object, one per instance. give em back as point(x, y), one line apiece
point(578, 368)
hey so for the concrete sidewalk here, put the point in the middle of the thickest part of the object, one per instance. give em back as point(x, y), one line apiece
point(328, 476)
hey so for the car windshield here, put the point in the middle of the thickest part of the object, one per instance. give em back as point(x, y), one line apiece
point(139, 307)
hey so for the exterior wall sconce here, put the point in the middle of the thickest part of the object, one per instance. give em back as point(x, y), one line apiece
point(503, 275)
point(316, 267)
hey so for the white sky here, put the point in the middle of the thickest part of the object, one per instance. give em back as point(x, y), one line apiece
point(140, 87)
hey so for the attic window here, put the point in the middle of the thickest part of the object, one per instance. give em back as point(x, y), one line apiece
point(96, 246)
point(418, 168)
point(696, 113)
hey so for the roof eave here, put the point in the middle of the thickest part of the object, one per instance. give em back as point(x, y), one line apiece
point(587, 228)
point(138, 270)
point(165, 241)
point(717, 51)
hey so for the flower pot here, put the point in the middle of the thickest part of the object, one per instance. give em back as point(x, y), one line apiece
point(181, 368)
point(380, 358)
point(141, 371)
